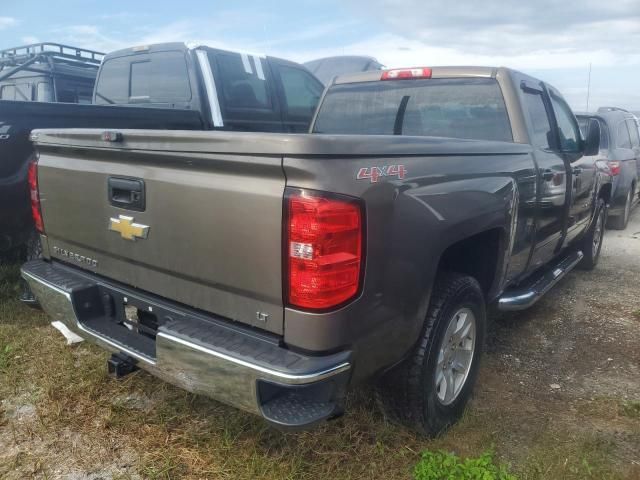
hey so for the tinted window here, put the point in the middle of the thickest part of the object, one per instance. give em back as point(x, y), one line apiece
point(113, 82)
point(538, 118)
point(69, 91)
point(301, 91)
point(458, 108)
point(242, 81)
point(633, 131)
point(140, 79)
point(160, 77)
point(568, 133)
point(623, 140)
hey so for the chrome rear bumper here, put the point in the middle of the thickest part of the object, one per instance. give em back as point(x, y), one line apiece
point(220, 360)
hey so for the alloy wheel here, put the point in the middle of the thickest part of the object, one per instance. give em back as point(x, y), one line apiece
point(455, 356)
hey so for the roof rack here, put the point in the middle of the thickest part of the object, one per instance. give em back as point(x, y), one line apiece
point(17, 55)
point(13, 60)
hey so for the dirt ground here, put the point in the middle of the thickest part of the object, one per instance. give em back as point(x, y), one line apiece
point(558, 398)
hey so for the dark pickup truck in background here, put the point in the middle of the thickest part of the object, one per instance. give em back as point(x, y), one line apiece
point(190, 89)
point(273, 271)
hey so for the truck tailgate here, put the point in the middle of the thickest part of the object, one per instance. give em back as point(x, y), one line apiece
point(214, 223)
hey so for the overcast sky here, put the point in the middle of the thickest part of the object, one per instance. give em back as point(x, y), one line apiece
point(555, 41)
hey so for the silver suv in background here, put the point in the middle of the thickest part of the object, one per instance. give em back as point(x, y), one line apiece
point(620, 148)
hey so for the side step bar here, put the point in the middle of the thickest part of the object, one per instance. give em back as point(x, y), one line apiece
point(525, 296)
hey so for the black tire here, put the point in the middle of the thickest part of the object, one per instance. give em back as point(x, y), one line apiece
point(620, 222)
point(588, 246)
point(407, 393)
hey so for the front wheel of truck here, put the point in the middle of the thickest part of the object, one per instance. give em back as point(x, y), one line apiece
point(429, 390)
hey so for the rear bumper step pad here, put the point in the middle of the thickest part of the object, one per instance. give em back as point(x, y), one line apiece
point(201, 353)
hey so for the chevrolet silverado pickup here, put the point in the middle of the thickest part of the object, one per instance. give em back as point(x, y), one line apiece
point(274, 271)
point(197, 88)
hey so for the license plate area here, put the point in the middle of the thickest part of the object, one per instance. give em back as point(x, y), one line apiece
point(128, 321)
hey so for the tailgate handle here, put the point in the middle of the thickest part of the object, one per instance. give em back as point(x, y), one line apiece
point(127, 193)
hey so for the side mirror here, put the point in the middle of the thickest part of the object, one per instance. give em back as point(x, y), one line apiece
point(592, 142)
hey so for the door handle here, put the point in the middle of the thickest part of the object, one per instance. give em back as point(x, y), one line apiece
point(548, 175)
point(127, 193)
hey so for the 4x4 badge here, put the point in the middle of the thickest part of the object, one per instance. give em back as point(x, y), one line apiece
point(127, 229)
point(374, 173)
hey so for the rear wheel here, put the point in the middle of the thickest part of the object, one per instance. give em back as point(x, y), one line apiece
point(592, 242)
point(620, 222)
point(429, 390)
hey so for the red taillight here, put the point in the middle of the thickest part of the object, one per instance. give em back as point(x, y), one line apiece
point(324, 249)
point(615, 167)
point(35, 197)
point(406, 73)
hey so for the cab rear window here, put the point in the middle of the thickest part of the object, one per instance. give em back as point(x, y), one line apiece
point(450, 107)
point(157, 77)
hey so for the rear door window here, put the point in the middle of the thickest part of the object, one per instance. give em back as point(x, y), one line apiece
point(243, 81)
point(157, 77)
point(245, 91)
point(633, 132)
point(447, 107)
point(623, 139)
point(300, 92)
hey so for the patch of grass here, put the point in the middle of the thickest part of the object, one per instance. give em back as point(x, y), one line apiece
point(142, 427)
point(636, 314)
point(7, 353)
point(578, 457)
point(630, 409)
point(9, 281)
point(442, 465)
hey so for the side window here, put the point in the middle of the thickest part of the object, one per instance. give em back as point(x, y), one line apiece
point(539, 119)
point(71, 91)
point(242, 81)
point(633, 131)
point(20, 91)
point(301, 90)
point(604, 135)
point(623, 138)
point(568, 133)
point(8, 92)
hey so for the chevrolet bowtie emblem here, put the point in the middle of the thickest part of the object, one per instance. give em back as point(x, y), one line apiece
point(127, 229)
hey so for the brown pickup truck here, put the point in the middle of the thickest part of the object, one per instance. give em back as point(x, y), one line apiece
point(274, 271)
